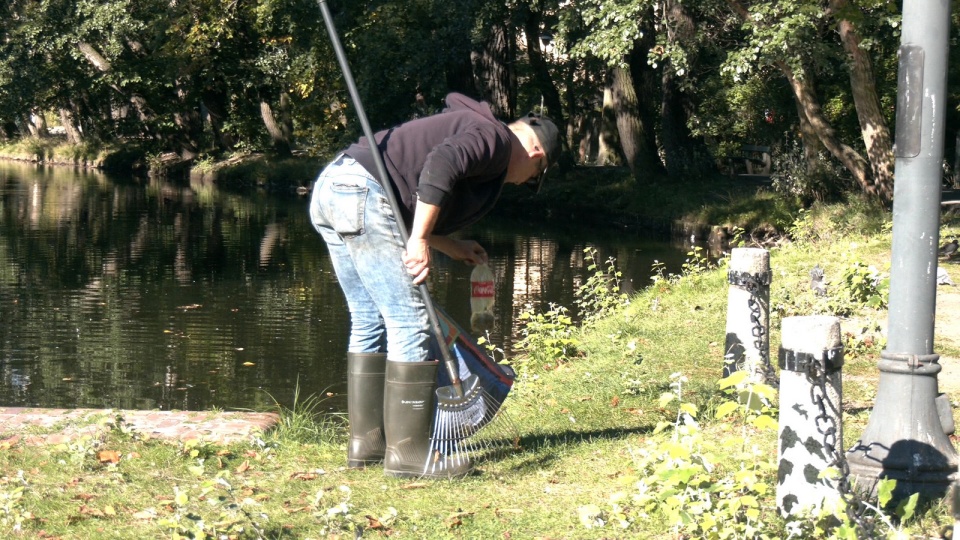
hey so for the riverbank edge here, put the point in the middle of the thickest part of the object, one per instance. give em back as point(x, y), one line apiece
point(581, 196)
point(34, 426)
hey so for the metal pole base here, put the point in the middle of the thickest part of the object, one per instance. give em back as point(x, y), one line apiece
point(904, 439)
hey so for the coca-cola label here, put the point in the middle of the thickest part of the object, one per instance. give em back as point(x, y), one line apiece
point(482, 289)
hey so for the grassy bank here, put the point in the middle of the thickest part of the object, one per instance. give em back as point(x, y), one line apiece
point(622, 431)
point(237, 172)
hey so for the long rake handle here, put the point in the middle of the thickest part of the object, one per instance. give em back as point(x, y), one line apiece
point(451, 364)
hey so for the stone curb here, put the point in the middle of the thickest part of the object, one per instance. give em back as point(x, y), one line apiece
point(60, 426)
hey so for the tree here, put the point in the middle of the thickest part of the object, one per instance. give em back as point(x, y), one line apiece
point(630, 74)
point(789, 36)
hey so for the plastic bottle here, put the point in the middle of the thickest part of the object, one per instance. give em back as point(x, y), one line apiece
point(482, 289)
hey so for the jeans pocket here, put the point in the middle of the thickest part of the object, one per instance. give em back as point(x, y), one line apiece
point(345, 208)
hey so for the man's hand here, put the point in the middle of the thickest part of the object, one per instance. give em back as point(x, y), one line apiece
point(417, 259)
point(468, 251)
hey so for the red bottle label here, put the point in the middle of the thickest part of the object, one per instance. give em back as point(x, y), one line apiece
point(481, 289)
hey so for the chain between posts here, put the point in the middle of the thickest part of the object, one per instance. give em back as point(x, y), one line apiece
point(754, 283)
point(816, 368)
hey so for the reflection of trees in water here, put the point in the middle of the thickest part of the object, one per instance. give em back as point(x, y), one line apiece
point(104, 284)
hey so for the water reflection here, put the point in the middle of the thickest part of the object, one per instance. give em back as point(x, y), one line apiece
point(144, 294)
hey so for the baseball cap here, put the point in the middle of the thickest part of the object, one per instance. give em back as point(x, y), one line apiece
point(549, 137)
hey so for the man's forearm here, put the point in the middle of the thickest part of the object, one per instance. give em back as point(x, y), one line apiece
point(424, 219)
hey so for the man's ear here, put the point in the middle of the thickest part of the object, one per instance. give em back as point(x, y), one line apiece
point(535, 151)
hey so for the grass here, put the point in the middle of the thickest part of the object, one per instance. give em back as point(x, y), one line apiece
point(587, 423)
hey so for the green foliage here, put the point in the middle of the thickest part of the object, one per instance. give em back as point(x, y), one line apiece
point(682, 480)
point(306, 421)
point(548, 338)
point(600, 295)
point(793, 176)
point(12, 512)
point(698, 489)
point(860, 285)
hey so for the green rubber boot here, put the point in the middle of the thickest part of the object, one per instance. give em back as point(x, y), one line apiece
point(365, 374)
point(408, 406)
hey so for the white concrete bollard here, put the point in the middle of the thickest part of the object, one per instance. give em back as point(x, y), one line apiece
point(811, 429)
point(747, 343)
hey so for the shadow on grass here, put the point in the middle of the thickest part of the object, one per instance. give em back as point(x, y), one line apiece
point(536, 451)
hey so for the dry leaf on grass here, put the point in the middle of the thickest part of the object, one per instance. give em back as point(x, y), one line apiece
point(108, 456)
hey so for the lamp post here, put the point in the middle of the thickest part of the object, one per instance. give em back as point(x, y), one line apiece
point(904, 438)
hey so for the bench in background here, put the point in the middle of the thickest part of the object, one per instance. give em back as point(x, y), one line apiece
point(757, 159)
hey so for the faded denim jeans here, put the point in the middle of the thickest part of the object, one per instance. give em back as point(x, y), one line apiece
point(351, 212)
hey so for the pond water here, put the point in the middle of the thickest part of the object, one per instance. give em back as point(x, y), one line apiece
point(142, 294)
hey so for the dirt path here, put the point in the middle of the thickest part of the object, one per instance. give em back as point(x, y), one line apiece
point(947, 333)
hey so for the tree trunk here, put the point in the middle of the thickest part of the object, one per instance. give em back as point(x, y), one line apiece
point(684, 156)
point(187, 118)
point(636, 139)
point(493, 70)
point(280, 144)
point(541, 72)
point(811, 143)
point(810, 105)
point(587, 135)
point(608, 140)
point(286, 118)
point(27, 122)
point(73, 134)
point(40, 123)
point(139, 102)
point(873, 127)
point(627, 113)
point(807, 102)
point(214, 101)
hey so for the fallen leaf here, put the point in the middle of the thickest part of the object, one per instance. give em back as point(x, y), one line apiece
point(91, 511)
point(374, 524)
point(456, 520)
point(243, 467)
point(304, 476)
point(109, 510)
point(84, 497)
point(133, 455)
point(615, 402)
point(7, 443)
point(297, 509)
point(108, 456)
point(416, 485)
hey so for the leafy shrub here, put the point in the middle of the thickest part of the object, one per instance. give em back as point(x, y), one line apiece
point(600, 295)
point(549, 338)
point(860, 286)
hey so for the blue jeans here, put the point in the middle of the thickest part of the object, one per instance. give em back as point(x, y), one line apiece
point(387, 314)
